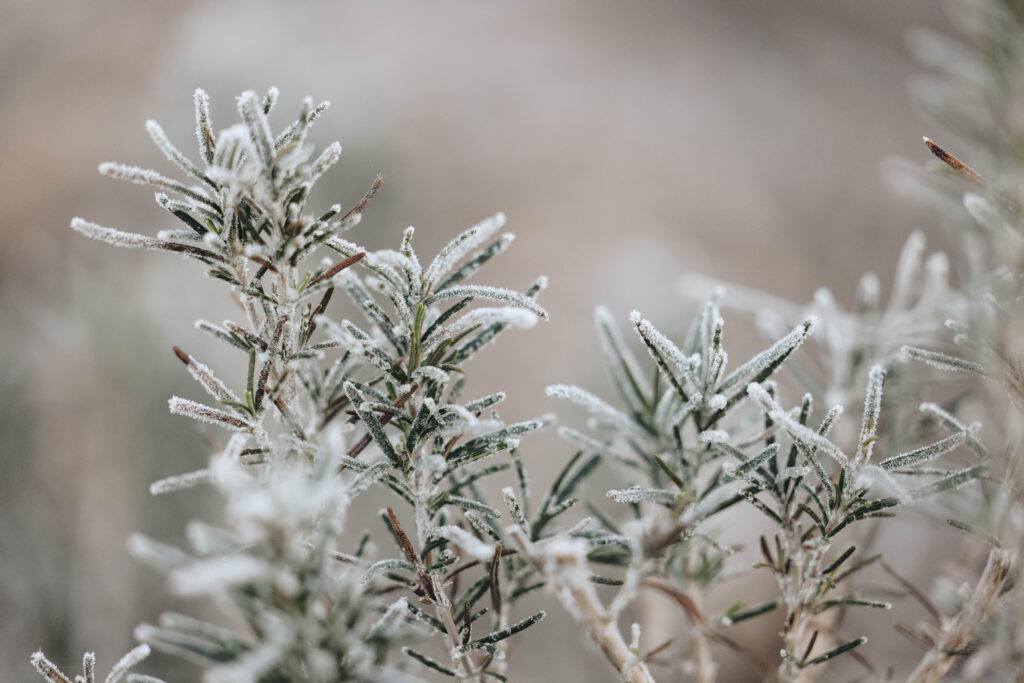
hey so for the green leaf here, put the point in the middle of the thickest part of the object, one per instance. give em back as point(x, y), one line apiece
point(511, 630)
point(835, 564)
point(738, 613)
point(953, 481)
point(835, 652)
point(428, 662)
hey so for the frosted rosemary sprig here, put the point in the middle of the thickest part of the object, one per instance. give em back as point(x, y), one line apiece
point(120, 672)
point(671, 432)
point(811, 513)
point(291, 469)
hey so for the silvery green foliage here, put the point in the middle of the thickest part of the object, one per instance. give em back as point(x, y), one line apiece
point(814, 509)
point(337, 411)
point(670, 440)
point(693, 447)
point(120, 671)
point(319, 393)
point(309, 616)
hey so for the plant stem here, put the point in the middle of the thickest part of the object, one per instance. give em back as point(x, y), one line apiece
point(957, 636)
point(463, 664)
point(800, 587)
point(706, 668)
point(570, 578)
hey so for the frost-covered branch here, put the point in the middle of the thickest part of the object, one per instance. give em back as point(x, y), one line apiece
point(330, 410)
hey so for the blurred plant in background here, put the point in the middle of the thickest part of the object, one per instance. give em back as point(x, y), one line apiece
point(974, 93)
point(968, 327)
point(692, 440)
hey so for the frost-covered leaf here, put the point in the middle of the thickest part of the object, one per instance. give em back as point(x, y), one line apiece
point(500, 295)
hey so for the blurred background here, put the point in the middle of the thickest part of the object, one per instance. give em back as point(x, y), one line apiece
point(627, 142)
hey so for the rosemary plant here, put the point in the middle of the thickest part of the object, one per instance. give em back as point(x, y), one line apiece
point(389, 387)
point(335, 411)
point(668, 438)
point(52, 673)
point(672, 434)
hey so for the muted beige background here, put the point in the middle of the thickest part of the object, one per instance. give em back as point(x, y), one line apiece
point(627, 142)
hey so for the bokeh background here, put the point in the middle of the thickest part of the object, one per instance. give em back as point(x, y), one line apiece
point(627, 142)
